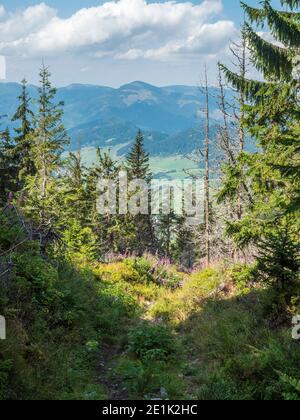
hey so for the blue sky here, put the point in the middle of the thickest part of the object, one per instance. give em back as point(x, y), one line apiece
point(67, 7)
point(84, 41)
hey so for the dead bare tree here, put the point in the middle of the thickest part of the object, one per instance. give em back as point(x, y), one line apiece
point(239, 52)
point(207, 173)
point(232, 136)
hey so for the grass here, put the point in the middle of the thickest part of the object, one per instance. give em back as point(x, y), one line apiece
point(224, 347)
point(136, 328)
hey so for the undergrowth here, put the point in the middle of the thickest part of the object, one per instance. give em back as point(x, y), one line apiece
point(177, 336)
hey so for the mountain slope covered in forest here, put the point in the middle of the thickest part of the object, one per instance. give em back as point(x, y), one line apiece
point(170, 117)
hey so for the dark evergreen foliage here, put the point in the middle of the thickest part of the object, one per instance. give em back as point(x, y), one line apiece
point(23, 142)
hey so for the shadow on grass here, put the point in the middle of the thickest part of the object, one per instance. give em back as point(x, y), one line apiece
point(234, 354)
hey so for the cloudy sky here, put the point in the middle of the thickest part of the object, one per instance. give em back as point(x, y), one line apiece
point(116, 42)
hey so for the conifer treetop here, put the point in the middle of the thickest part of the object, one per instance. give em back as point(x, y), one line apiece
point(277, 59)
point(138, 159)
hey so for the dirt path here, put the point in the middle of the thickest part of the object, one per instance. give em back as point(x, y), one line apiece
point(107, 374)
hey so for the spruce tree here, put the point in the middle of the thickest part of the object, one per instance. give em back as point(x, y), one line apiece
point(48, 140)
point(102, 225)
point(167, 228)
point(271, 116)
point(23, 140)
point(280, 258)
point(137, 161)
point(76, 197)
point(74, 206)
point(184, 248)
point(138, 167)
point(8, 166)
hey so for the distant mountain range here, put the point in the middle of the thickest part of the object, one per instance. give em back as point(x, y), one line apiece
point(170, 117)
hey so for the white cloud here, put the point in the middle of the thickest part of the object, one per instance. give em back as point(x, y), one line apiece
point(20, 25)
point(124, 29)
point(209, 40)
point(2, 67)
point(2, 11)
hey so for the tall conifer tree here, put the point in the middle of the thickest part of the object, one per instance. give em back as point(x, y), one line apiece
point(138, 166)
point(138, 160)
point(49, 139)
point(102, 225)
point(8, 166)
point(272, 173)
point(23, 141)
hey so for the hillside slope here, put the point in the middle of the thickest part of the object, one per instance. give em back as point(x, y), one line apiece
point(99, 116)
point(136, 328)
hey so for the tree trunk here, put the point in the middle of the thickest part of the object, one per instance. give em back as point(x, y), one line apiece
point(207, 175)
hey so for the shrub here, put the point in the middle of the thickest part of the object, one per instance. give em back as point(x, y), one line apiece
point(80, 242)
point(278, 262)
point(5, 368)
point(290, 387)
point(153, 270)
point(117, 272)
point(35, 278)
point(242, 277)
point(143, 267)
point(152, 342)
point(150, 379)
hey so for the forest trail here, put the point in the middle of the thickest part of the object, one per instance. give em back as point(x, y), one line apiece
point(193, 291)
point(107, 373)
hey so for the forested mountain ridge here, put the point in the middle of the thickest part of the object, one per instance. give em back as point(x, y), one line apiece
point(170, 117)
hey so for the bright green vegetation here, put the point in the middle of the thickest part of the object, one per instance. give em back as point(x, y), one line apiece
point(138, 328)
point(53, 314)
